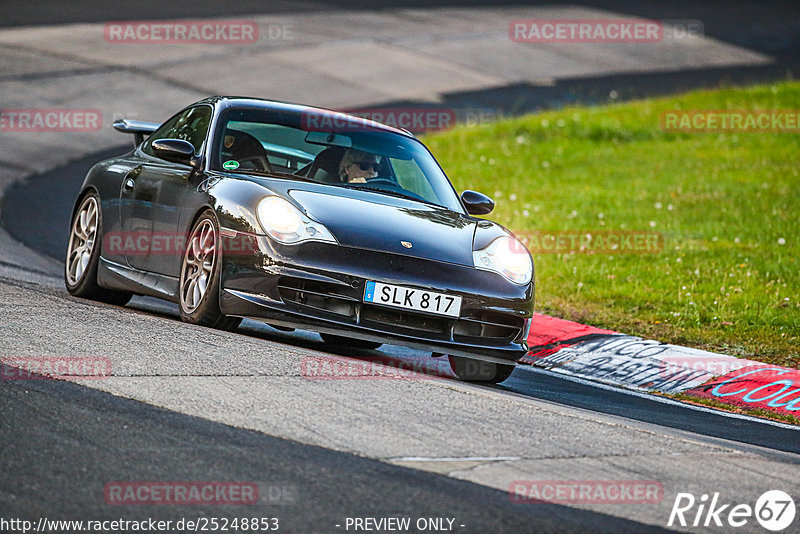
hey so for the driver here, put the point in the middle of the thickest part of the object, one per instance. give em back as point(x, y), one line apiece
point(356, 166)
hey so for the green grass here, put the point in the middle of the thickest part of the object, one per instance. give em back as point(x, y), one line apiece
point(727, 204)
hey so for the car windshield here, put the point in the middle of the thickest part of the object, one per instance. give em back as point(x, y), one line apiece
point(329, 148)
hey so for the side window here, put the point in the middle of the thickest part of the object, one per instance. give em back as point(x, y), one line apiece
point(191, 125)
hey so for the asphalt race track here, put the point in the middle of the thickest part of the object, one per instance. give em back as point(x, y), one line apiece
point(192, 404)
point(319, 487)
point(51, 194)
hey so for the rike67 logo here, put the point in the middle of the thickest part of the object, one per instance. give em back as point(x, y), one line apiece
point(774, 510)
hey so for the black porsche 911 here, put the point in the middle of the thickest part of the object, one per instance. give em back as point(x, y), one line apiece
point(306, 218)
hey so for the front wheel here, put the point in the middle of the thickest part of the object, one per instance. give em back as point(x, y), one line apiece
point(200, 277)
point(471, 370)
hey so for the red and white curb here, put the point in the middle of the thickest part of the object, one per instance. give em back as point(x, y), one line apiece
point(613, 358)
point(769, 387)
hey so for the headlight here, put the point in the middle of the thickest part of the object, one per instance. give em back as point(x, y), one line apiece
point(288, 225)
point(507, 256)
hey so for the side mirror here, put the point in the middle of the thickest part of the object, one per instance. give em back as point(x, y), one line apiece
point(176, 151)
point(477, 203)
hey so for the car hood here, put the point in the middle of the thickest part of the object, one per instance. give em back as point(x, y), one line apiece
point(379, 222)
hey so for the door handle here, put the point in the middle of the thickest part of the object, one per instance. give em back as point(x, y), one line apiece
point(128, 184)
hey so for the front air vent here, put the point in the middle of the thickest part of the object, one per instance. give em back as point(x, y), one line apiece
point(488, 327)
point(324, 296)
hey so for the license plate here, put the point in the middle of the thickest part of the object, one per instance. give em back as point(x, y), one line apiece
point(412, 299)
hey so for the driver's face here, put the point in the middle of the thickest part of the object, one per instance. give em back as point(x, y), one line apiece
point(361, 170)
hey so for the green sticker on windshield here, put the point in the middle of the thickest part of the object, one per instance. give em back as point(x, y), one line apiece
point(230, 165)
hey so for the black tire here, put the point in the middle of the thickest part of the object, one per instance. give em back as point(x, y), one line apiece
point(471, 370)
point(198, 288)
point(349, 342)
point(83, 255)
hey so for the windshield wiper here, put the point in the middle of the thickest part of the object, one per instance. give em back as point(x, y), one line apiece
point(274, 174)
point(296, 177)
point(397, 194)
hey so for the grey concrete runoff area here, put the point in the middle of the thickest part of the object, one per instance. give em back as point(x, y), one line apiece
point(185, 403)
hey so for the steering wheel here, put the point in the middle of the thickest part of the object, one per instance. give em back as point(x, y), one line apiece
point(383, 181)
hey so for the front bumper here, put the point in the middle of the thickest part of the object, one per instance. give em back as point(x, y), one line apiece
point(319, 287)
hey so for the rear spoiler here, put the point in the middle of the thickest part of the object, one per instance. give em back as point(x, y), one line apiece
point(138, 128)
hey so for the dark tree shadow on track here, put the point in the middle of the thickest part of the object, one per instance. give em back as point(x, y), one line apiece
point(86, 438)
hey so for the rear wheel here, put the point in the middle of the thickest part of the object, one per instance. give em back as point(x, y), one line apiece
point(341, 341)
point(471, 370)
point(200, 277)
point(83, 255)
